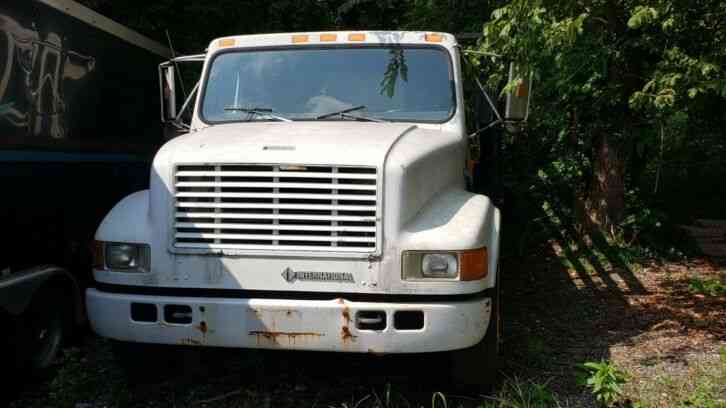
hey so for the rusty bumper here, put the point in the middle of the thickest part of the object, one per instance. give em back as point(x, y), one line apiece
point(322, 325)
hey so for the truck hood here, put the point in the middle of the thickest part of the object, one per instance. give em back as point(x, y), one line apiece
point(335, 143)
point(415, 165)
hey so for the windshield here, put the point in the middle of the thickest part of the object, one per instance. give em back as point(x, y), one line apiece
point(391, 83)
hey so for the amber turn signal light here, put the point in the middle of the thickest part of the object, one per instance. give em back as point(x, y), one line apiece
point(98, 261)
point(473, 264)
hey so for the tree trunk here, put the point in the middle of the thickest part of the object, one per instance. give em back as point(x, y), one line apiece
point(605, 203)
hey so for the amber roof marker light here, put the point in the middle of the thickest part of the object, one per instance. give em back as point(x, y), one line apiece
point(227, 42)
point(300, 38)
point(433, 37)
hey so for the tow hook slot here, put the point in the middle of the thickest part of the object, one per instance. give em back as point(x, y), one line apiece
point(408, 320)
point(144, 312)
point(370, 320)
point(178, 314)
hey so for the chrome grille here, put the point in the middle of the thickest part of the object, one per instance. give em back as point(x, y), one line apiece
point(276, 207)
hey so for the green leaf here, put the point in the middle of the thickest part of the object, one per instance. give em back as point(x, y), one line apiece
point(641, 16)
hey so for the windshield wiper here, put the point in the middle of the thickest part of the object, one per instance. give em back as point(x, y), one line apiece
point(345, 114)
point(364, 118)
point(258, 111)
point(340, 112)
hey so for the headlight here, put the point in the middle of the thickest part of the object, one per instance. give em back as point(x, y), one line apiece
point(445, 265)
point(126, 257)
point(440, 265)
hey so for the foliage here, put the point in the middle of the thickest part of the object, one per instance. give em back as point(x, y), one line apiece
point(454, 16)
point(644, 77)
point(605, 381)
point(396, 68)
point(710, 287)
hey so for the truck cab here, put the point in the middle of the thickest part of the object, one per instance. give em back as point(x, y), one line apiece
point(319, 201)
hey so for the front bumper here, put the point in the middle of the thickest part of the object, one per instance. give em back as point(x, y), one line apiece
point(322, 325)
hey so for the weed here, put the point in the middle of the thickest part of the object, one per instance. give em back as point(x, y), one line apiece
point(709, 287)
point(710, 387)
point(525, 394)
point(704, 396)
point(537, 351)
point(604, 380)
point(701, 385)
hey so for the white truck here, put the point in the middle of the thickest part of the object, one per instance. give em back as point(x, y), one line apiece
point(319, 201)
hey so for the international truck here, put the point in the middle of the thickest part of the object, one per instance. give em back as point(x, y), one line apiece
point(78, 131)
point(318, 198)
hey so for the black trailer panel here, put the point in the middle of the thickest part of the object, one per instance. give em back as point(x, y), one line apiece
point(78, 129)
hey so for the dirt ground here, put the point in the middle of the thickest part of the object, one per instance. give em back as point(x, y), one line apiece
point(557, 315)
point(645, 320)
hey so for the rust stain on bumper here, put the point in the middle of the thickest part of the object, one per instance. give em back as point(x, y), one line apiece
point(291, 337)
point(190, 342)
point(346, 335)
point(346, 315)
point(274, 334)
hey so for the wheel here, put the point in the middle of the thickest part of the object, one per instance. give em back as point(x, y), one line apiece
point(42, 329)
point(477, 368)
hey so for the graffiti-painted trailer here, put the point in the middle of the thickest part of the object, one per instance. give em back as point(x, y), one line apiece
point(78, 128)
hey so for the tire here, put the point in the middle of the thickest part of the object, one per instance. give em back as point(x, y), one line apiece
point(42, 329)
point(477, 368)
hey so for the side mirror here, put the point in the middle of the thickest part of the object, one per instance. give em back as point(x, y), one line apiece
point(167, 92)
point(175, 115)
point(517, 105)
point(484, 114)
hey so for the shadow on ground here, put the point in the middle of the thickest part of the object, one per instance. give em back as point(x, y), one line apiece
point(567, 301)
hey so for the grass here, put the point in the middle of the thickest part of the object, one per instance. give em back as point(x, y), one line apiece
point(537, 351)
point(516, 393)
point(701, 384)
point(93, 380)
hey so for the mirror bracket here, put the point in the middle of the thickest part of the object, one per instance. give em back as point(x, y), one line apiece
point(167, 92)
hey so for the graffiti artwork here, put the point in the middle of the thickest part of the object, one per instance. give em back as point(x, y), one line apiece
point(33, 71)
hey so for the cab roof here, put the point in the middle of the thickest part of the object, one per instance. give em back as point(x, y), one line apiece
point(333, 38)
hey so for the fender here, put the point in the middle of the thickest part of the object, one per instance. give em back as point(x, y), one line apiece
point(18, 289)
point(456, 219)
point(128, 221)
